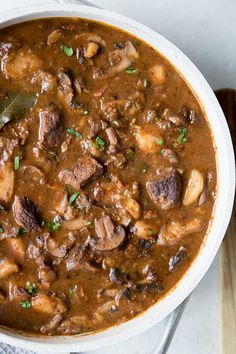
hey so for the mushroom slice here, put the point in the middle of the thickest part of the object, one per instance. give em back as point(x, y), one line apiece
point(91, 37)
point(52, 324)
point(109, 236)
point(6, 183)
point(127, 56)
point(172, 233)
point(54, 36)
point(194, 188)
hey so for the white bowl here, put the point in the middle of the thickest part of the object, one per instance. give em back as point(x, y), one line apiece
point(224, 200)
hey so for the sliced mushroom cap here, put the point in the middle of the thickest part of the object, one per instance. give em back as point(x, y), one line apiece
point(54, 36)
point(127, 56)
point(52, 324)
point(109, 236)
point(91, 37)
point(194, 188)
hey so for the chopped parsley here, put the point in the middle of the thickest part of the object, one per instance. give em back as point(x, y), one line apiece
point(53, 226)
point(151, 232)
point(160, 141)
point(25, 304)
point(161, 152)
point(17, 162)
point(131, 70)
point(100, 141)
point(182, 136)
point(130, 154)
point(87, 223)
point(21, 231)
point(31, 288)
point(73, 198)
point(68, 51)
point(1, 229)
point(74, 132)
point(143, 167)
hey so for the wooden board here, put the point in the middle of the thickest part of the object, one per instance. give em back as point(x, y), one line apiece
point(227, 99)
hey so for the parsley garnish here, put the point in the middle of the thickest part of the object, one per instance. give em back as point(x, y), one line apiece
point(53, 226)
point(160, 141)
point(31, 288)
point(25, 304)
point(182, 136)
point(1, 229)
point(130, 70)
point(67, 50)
point(87, 223)
point(21, 231)
point(151, 232)
point(100, 141)
point(143, 167)
point(73, 197)
point(17, 162)
point(74, 132)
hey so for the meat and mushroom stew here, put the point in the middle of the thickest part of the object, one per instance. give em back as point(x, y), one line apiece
point(107, 176)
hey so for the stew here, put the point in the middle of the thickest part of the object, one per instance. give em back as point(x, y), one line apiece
point(107, 176)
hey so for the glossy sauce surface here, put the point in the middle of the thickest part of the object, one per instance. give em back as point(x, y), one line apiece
point(107, 176)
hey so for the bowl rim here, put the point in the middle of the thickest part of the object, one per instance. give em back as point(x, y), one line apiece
point(225, 193)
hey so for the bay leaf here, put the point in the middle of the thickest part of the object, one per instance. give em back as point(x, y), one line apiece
point(14, 105)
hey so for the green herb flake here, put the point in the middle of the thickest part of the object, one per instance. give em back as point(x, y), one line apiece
point(160, 141)
point(1, 229)
point(100, 141)
point(182, 136)
point(17, 162)
point(21, 231)
point(68, 51)
point(74, 132)
point(73, 198)
point(143, 167)
point(130, 70)
point(85, 113)
point(25, 304)
point(87, 223)
point(161, 152)
point(130, 154)
point(151, 232)
point(31, 288)
point(53, 226)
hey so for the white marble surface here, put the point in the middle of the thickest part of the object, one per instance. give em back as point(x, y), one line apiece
point(206, 31)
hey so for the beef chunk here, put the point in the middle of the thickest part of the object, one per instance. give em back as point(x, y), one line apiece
point(26, 213)
point(175, 260)
point(166, 189)
point(50, 127)
point(85, 168)
point(65, 89)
